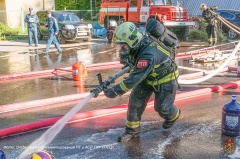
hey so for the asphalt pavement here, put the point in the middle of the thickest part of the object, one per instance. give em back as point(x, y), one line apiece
point(197, 134)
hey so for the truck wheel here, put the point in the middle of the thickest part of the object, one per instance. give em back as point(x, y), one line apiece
point(60, 38)
point(39, 34)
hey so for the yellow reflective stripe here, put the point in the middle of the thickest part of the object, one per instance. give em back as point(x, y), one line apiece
point(154, 74)
point(165, 79)
point(176, 116)
point(156, 66)
point(132, 124)
point(160, 48)
point(123, 87)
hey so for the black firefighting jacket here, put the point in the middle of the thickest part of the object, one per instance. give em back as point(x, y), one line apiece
point(209, 18)
point(152, 66)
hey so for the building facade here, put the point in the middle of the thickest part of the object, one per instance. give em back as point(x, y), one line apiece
point(12, 12)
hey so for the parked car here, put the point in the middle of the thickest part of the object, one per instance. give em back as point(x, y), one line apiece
point(232, 16)
point(70, 26)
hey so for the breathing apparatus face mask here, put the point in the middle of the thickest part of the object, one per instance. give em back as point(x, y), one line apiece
point(124, 51)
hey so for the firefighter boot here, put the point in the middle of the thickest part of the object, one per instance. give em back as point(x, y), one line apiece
point(129, 134)
point(169, 123)
point(210, 44)
point(214, 43)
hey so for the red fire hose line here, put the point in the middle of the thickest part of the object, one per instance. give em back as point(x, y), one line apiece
point(47, 72)
point(72, 97)
point(103, 112)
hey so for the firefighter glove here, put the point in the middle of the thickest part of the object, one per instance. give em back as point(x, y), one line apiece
point(110, 93)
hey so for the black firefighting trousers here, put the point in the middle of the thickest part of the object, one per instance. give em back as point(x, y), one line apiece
point(163, 104)
point(212, 34)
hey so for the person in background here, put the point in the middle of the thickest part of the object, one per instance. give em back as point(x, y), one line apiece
point(32, 19)
point(211, 24)
point(53, 30)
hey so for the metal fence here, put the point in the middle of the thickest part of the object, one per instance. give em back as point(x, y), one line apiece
point(15, 18)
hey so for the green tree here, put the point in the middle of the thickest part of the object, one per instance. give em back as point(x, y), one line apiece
point(77, 4)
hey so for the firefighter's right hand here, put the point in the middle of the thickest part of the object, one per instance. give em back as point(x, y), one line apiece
point(110, 93)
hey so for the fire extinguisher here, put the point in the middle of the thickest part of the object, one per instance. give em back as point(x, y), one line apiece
point(78, 71)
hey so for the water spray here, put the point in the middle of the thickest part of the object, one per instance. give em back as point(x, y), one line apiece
point(47, 137)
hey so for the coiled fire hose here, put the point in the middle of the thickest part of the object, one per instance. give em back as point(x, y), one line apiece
point(194, 81)
point(199, 80)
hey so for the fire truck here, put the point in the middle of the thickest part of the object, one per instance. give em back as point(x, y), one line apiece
point(175, 18)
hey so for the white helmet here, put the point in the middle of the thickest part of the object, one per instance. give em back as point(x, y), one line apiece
point(202, 5)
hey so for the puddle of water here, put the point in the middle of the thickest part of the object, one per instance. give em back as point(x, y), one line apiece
point(35, 60)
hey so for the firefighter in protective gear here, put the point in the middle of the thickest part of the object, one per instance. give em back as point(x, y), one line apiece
point(154, 72)
point(211, 24)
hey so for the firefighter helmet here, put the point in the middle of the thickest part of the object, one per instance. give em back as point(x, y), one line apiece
point(202, 5)
point(128, 33)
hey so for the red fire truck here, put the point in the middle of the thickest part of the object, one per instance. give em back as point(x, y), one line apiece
point(139, 11)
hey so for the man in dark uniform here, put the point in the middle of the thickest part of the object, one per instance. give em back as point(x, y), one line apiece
point(154, 72)
point(32, 20)
point(53, 30)
point(211, 24)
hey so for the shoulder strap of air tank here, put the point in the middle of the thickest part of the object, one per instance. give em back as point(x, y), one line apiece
point(146, 42)
point(161, 44)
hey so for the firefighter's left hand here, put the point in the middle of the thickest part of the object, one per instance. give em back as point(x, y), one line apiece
point(110, 93)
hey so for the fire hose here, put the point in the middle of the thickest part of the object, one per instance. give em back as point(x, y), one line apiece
point(234, 28)
point(194, 81)
point(227, 23)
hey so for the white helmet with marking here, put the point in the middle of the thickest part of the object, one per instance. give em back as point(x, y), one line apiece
point(202, 5)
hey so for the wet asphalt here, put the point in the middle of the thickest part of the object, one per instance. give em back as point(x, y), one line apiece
point(197, 134)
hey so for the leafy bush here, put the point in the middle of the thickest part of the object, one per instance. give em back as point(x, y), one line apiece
point(198, 35)
point(201, 35)
point(8, 33)
point(221, 37)
point(6, 30)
